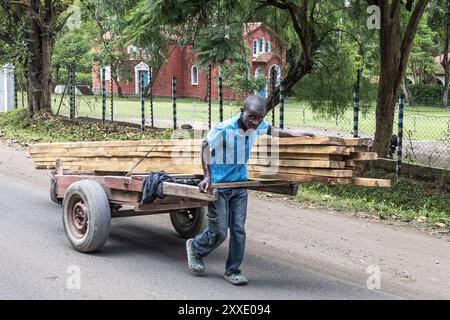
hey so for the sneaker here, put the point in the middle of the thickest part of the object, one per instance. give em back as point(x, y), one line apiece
point(195, 263)
point(236, 278)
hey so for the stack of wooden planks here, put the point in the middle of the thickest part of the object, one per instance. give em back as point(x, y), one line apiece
point(322, 159)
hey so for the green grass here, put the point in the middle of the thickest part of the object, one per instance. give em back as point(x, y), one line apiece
point(20, 126)
point(420, 123)
point(407, 199)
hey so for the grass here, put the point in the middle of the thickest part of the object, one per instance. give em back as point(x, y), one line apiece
point(20, 126)
point(406, 200)
point(421, 123)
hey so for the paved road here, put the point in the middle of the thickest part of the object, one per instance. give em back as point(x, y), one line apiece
point(143, 259)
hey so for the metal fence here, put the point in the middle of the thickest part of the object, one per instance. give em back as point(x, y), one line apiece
point(426, 133)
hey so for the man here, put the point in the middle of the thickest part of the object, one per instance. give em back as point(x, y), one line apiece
point(230, 143)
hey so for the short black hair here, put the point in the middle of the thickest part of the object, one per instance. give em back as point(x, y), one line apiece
point(255, 101)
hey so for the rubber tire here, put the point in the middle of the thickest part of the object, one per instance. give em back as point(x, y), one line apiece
point(198, 224)
point(99, 215)
point(53, 194)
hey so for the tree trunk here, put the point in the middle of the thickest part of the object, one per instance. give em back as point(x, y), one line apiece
point(445, 62)
point(394, 52)
point(39, 72)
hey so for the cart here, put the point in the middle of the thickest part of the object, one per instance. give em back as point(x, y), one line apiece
point(90, 199)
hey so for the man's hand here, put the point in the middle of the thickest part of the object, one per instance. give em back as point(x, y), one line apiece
point(204, 184)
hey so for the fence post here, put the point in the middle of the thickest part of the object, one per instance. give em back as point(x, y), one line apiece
point(111, 82)
point(151, 100)
point(209, 96)
point(399, 135)
point(220, 100)
point(356, 105)
point(174, 100)
point(273, 77)
point(142, 103)
point(72, 90)
point(103, 95)
point(282, 104)
point(16, 102)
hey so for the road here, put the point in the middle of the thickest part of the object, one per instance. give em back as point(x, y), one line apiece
point(292, 253)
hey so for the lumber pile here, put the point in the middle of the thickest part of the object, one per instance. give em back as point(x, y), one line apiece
point(319, 159)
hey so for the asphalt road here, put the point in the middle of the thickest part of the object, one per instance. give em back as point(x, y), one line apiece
point(143, 259)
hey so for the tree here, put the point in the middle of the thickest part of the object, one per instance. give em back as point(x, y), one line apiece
point(31, 26)
point(395, 48)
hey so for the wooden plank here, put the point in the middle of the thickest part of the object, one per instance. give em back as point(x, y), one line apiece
point(364, 156)
point(300, 178)
point(368, 182)
point(296, 156)
point(124, 143)
point(336, 141)
point(187, 191)
point(250, 183)
point(298, 163)
point(354, 142)
point(305, 149)
point(305, 171)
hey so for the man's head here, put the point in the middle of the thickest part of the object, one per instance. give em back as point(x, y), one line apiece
point(253, 112)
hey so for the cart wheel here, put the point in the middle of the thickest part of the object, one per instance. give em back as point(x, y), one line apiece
point(190, 222)
point(53, 193)
point(86, 215)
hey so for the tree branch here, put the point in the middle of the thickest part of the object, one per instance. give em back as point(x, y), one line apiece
point(7, 39)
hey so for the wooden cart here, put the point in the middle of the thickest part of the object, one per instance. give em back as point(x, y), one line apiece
point(91, 199)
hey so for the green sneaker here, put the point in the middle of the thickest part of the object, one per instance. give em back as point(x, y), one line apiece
point(236, 278)
point(195, 263)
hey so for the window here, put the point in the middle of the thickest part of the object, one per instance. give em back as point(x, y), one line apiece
point(255, 48)
point(261, 45)
point(194, 75)
point(267, 49)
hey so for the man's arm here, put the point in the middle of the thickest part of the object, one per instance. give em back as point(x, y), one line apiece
point(277, 132)
point(206, 160)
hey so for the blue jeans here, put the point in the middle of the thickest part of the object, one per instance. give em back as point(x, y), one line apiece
point(228, 211)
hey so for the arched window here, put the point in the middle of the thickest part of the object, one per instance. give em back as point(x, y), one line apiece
point(261, 45)
point(255, 48)
point(267, 49)
point(194, 75)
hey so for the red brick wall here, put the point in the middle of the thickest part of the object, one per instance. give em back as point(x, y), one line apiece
point(179, 64)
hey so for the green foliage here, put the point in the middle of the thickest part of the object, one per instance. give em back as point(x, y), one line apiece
point(23, 127)
point(426, 94)
point(421, 63)
point(405, 200)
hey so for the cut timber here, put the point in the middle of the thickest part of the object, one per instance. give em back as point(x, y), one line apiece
point(250, 183)
point(364, 156)
point(304, 149)
point(127, 143)
point(298, 163)
point(355, 142)
point(299, 178)
point(186, 191)
point(368, 182)
point(333, 141)
point(306, 171)
point(296, 156)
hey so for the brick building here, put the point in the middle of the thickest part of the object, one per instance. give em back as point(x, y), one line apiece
point(267, 52)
